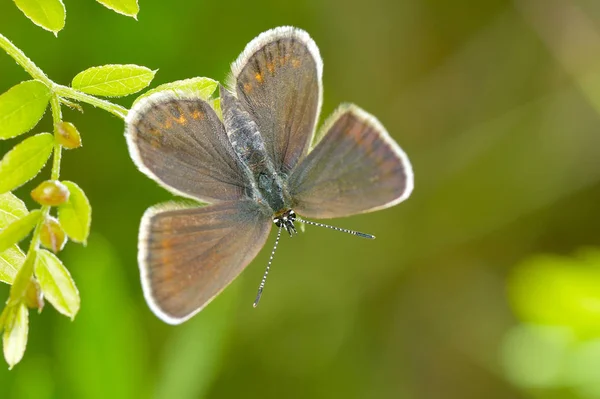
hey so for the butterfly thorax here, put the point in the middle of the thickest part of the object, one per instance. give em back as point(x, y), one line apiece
point(245, 138)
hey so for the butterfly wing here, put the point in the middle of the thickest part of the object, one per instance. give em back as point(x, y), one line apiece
point(355, 168)
point(278, 80)
point(187, 256)
point(181, 143)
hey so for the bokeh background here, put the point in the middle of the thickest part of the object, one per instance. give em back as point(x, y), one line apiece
point(484, 284)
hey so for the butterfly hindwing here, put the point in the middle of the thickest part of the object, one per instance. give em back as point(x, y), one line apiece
point(188, 255)
point(356, 167)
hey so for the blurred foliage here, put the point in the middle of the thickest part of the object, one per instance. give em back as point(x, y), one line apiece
point(39, 274)
point(558, 346)
point(497, 105)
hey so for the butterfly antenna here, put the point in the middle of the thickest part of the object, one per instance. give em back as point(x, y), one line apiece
point(354, 233)
point(264, 279)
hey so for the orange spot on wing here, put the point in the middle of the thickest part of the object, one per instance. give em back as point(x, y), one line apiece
point(296, 62)
point(271, 67)
point(181, 120)
point(168, 123)
point(284, 59)
point(258, 77)
point(198, 115)
point(247, 87)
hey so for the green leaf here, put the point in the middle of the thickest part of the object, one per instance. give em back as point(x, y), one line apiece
point(11, 209)
point(16, 329)
point(125, 7)
point(19, 229)
point(113, 80)
point(200, 87)
point(75, 215)
point(25, 161)
point(22, 282)
point(49, 14)
point(56, 282)
point(22, 107)
point(10, 262)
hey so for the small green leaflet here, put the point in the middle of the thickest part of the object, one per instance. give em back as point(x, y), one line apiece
point(113, 80)
point(125, 7)
point(16, 328)
point(10, 262)
point(49, 14)
point(22, 107)
point(75, 215)
point(199, 87)
point(11, 209)
point(56, 283)
point(25, 161)
point(19, 229)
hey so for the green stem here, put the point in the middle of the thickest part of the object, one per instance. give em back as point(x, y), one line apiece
point(73, 94)
point(56, 118)
point(24, 61)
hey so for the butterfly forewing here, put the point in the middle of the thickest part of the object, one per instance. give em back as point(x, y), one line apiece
point(355, 168)
point(188, 255)
point(182, 144)
point(278, 80)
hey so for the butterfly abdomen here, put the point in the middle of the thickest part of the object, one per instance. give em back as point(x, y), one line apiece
point(249, 146)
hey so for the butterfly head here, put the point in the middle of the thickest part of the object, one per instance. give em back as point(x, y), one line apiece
point(286, 220)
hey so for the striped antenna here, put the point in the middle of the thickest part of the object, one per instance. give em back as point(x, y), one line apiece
point(354, 233)
point(264, 279)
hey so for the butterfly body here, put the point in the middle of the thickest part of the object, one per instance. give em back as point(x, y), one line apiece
point(268, 187)
point(261, 164)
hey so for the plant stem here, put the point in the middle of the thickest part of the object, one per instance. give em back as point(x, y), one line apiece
point(24, 61)
point(56, 118)
point(71, 93)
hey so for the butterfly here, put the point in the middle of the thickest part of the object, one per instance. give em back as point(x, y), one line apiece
point(259, 164)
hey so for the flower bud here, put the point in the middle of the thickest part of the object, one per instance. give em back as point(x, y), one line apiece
point(50, 192)
point(52, 236)
point(34, 298)
point(67, 135)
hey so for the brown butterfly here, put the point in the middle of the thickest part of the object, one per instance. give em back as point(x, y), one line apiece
point(257, 166)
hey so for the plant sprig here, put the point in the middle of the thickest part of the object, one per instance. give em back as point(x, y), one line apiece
point(39, 273)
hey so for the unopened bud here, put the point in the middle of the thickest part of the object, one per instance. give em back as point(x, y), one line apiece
point(52, 235)
point(34, 298)
point(50, 192)
point(67, 135)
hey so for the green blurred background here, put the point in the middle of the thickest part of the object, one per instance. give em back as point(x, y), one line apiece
point(484, 284)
